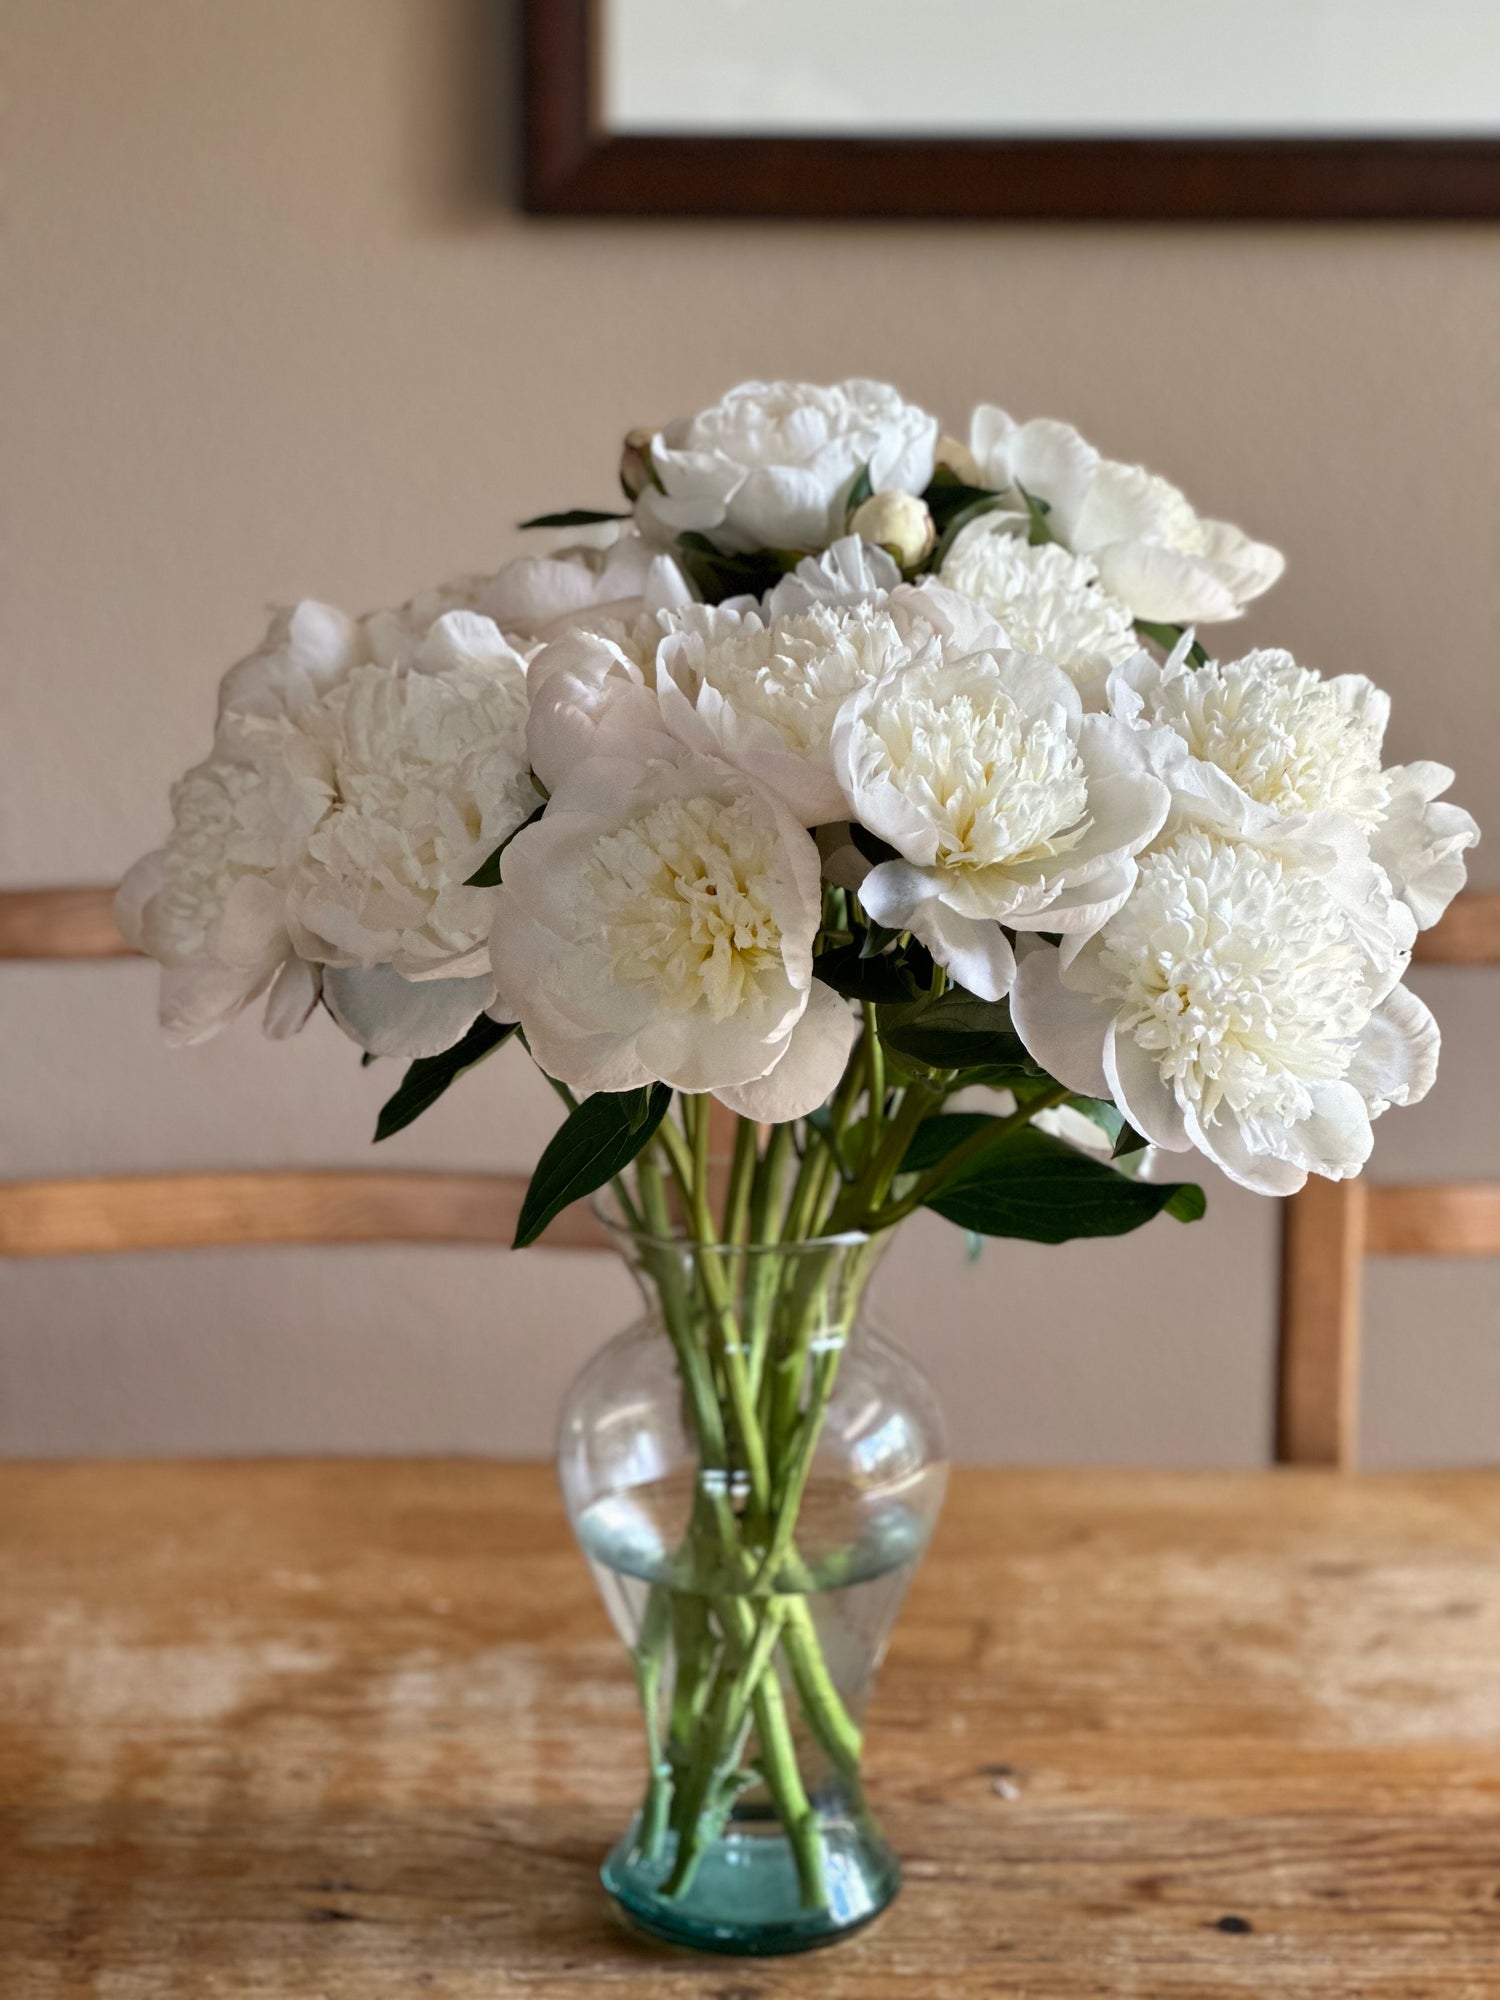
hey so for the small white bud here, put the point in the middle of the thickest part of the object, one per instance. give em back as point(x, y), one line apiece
point(897, 522)
point(953, 455)
point(635, 461)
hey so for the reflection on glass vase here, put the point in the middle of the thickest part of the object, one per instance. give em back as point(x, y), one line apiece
point(753, 1474)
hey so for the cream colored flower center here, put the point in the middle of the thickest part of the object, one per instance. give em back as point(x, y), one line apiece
point(684, 898)
point(1001, 787)
point(1287, 738)
point(1242, 978)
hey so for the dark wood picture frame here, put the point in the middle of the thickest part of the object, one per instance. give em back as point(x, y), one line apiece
point(574, 167)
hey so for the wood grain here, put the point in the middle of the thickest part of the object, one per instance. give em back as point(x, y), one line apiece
point(358, 1730)
point(1317, 1388)
point(69, 1218)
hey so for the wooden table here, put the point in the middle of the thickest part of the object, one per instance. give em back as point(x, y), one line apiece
point(360, 1729)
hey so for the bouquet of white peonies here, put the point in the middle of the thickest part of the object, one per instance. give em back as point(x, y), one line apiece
point(860, 757)
point(849, 768)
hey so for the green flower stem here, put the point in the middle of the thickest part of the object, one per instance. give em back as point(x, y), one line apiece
point(745, 1388)
point(741, 1178)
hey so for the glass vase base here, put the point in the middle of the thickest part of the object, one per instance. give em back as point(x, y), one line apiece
point(744, 1899)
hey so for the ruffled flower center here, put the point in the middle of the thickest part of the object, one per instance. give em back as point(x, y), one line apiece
point(790, 423)
point(1287, 738)
point(1048, 601)
point(1001, 787)
point(427, 774)
point(796, 672)
point(225, 827)
point(684, 894)
point(1242, 977)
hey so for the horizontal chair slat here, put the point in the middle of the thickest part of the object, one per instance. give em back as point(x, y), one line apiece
point(1441, 1219)
point(1469, 933)
point(60, 923)
point(79, 923)
point(69, 1218)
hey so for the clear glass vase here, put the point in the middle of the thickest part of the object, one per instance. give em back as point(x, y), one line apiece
point(753, 1474)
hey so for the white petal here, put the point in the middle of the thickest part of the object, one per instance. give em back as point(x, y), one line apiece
point(392, 1016)
point(972, 950)
point(893, 891)
point(1160, 585)
point(1397, 1058)
point(1064, 1031)
point(1142, 1092)
point(196, 1001)
point(292, 998)
point(808, 1073)
point(1226, 1145)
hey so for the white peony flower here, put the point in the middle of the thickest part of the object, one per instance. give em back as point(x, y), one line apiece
point(1245, 1000)
point(1048, 601)
point(534, 594)
point(424, 774)
point(762, 693)
point(1153, 552)
point(772, 464)
point(1248, 741)
point(209, 904)
point(358, 779)
point(1005, 803)
point(657, 924)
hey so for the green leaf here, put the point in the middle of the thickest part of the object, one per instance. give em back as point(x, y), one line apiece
point(1187, 1203)
point(1104, 1114)
point(1038, 510)
point(1128, 1142)
point(859, 492)
point(935, 1138)
point(947, 496)
point(591, 1146)
point(487, 874)
point(573, 517)
point(1035, 1187)
point(848, 971)
point(956, 1031)
point(719, 575)
point(429, 1076)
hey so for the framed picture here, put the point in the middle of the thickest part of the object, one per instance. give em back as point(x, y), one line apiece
point(1201, 110)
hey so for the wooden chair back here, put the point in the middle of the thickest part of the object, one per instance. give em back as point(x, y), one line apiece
point(1331, 1227)
point(69, 1218)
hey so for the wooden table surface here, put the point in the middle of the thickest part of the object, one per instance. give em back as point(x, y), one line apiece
point(360, 1729)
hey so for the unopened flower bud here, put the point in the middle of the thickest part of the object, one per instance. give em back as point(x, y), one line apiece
point(897, 522)
point(953, 455)
point(635, 462)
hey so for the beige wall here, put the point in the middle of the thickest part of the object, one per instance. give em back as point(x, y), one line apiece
point(272, 326)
